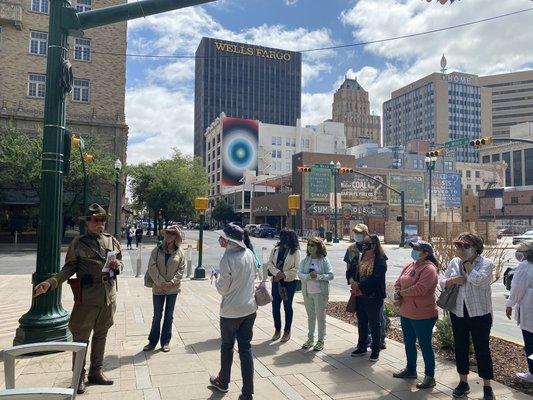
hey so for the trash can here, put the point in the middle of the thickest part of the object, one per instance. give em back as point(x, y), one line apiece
point(329, 236)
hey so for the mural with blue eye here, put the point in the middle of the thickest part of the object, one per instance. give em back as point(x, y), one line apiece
point(239, 149)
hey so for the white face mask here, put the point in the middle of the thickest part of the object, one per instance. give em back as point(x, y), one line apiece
point(359, 237)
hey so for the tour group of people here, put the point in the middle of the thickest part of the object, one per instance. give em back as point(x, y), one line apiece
point(467, 280)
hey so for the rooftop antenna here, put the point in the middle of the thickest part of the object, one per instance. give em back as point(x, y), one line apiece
point(443, 63)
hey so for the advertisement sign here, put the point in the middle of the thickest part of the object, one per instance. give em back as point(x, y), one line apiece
point(412, 185)
point(411, 233)
point(348, 211)
point(355, 188)
point(447, 189)
point(239, 149)
point(318, 184)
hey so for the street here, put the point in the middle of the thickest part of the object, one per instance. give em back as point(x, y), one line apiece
point(16, 262)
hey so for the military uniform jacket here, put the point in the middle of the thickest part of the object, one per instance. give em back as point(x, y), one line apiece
point(86, 256)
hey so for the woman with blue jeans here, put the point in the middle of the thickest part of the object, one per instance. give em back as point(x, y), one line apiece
point(166, 266)
point(415, 297)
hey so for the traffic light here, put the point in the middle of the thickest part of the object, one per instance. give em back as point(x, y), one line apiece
point(304, 169)
point(345, 170)
point(481, 141)
point(435, 153)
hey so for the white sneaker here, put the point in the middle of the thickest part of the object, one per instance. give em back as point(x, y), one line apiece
point(525, 376)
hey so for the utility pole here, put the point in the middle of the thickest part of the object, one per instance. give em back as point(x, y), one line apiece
point(47, 320)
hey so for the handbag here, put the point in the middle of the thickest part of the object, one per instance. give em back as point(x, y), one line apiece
point(448, 298)
point(351, 306)
point(262, 296)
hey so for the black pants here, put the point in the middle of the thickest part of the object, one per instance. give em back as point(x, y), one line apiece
point(528, 348)
point(287, 305)
point(242, 330)
point(479, 329)
point(368, 314)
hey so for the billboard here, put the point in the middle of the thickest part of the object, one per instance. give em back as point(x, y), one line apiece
point(318, 184)
point(357, 188)
point(348, 211)
point(412, 185)
point(239, 149)
point(447, 189)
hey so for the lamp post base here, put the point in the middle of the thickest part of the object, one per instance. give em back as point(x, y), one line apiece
point(35, 329)
point(336, 240)
point(199, 274)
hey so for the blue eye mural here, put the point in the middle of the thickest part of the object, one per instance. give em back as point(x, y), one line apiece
point(239, 149)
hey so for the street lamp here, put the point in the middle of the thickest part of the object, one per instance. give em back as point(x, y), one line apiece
point(200, 204)
point(335, 170)
point(118, 167)
point(430, 166)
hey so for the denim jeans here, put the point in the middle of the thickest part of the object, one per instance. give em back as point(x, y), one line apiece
point(287, 305)
point(528, 347)
point(315, 305)
point(242, 330)
point(421, 329)
point(368, 314)
point(156, 331)
point(383, 327)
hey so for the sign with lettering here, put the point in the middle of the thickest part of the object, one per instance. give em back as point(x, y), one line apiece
point(348, 211)
point(357, 188)
point(447, 189)
point(412, 185)
point(253, 51)
point(318, 184)
point(450, 144)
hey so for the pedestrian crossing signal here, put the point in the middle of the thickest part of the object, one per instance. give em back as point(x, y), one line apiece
point(481, 141)
point(344, 170)
point(304, 169)
point(435, 153)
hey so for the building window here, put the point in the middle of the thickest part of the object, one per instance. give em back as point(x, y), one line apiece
point(514, 200)
point(80, 90)
point(478, 174)
point(36, 85)
point(485, 159)
point(82, 49)
point(38, 42)
point(468, 174)
point(273, 140)
point(469, 186)
point(287, 154)
point(288, 166)
point(466, 209)
point(40, 6)
point(506, 157)
point(0, 37)
point(83, 5)
point(528, 157)
point(448, 165)
point(273, 153)
point(278, 140)
point(287, 142)
point(478, 188)
point(473, 208)
point(278, 155)
point(517, 168)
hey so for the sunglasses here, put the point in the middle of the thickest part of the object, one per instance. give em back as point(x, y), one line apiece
point(98, 219)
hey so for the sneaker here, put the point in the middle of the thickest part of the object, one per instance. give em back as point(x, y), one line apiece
point(319, 346)
point(165, 348)
point(243, 397)
point(427, 383)
point(405, 374)
point(308, 344)
point(215, 382)
point(462, 389)
point(286, 337)
point(488, 394)
point(276, 336)
point(525, 376)
point(383, 346)
point(359, 352)
point(149, 347)
point(374, 356)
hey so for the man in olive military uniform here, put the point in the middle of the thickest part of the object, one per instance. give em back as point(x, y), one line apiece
point(94, 289)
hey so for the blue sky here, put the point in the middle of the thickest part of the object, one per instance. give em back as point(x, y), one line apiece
point(159, 95)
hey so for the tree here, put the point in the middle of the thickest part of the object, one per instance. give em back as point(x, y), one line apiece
point(222, 212)
point(169, 184)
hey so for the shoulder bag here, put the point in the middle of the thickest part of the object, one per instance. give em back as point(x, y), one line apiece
point(448, 298)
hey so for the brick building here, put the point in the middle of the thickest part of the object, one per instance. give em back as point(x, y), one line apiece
point(509, 207)
point(95, 107)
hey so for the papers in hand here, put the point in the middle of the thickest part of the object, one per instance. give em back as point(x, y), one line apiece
point(111, 256)
point(215, 272)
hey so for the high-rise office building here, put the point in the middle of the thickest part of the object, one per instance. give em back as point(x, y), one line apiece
point(512, 100)
point(244, 81)
point(351, 106)
point(438, 108)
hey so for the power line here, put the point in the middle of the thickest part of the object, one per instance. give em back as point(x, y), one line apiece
point(342, 46)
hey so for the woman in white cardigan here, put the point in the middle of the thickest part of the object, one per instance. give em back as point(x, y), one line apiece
point(283, 266)
point(521, 297)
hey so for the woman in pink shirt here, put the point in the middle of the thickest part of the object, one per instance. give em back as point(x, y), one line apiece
point(415, 297)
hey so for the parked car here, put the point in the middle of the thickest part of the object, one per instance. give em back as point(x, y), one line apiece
point(506, 232)
point(508, 277)
point(265, 230)
point(525, 236)
point(250, 227)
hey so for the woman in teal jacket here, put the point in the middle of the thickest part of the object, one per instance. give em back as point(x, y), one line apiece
point(315, 273)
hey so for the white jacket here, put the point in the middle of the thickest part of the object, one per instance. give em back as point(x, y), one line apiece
point(290, 264)
point(236, 283)
point(521, 295)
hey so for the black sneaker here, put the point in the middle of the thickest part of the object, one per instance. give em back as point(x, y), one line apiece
point(359, 352)
point(488, 394)
point(243, 397)
point(215, 382)
point(462, 389)
point(374, 356)
point(405, 374)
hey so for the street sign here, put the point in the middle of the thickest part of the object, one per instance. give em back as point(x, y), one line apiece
point(456, 143)
point(329, 166)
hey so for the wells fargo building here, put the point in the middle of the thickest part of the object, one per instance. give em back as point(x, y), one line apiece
point(244, 81)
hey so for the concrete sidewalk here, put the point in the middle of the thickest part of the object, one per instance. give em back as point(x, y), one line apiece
point(282, 371)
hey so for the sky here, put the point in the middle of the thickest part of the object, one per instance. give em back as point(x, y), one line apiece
point(160, 91)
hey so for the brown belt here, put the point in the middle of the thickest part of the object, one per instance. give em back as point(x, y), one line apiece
point(103, 279)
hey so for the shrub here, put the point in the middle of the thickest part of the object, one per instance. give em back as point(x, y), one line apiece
point(444, 333)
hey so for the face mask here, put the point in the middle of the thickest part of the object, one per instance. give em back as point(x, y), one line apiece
point(519, 256)
point(359, 237)
point(311, 249)
point(415, 254)
point(469, 253)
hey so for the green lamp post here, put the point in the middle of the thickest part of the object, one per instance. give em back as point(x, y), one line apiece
point(200, 204)
point(47, 320)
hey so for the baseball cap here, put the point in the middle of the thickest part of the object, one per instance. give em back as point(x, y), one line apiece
point(360, 228)
point(422, 246)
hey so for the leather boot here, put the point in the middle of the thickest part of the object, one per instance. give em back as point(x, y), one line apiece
point(81, 383)
point(98, 378)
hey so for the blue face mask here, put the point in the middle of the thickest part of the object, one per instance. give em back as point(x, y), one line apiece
point(415, 254)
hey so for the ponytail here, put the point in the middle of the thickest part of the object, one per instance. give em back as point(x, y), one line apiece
point(432, 258)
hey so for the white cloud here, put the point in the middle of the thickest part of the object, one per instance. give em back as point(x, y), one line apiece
point(316, 107)
point(290, 2)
